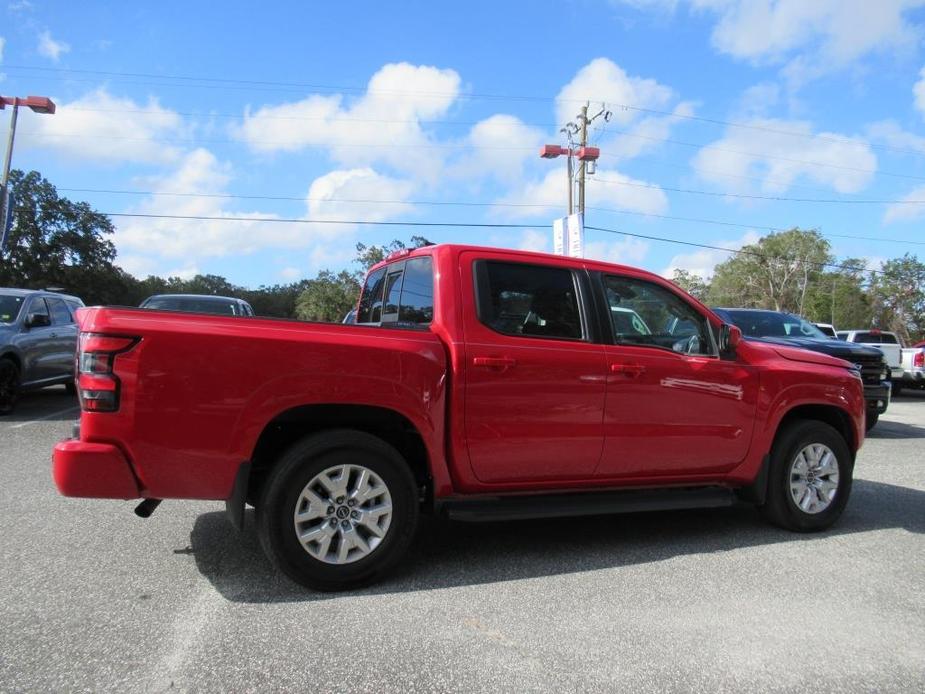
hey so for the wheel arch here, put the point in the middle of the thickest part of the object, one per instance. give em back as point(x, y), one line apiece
point(298, 422)
point(834, 416)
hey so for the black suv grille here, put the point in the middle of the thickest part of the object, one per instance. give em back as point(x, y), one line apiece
point(871, 368)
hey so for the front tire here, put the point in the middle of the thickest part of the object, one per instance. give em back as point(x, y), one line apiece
point(338, 511)
point(809, 478)
point(9, 386)
point(871, 422)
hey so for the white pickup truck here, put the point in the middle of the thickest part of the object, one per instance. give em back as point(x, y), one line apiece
point(907, 365)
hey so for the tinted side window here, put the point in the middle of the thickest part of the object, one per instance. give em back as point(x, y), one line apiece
point(869, 338)
point(530, 300)
point(370, 307)
point(644, 313)
point(417, 293)
point(59, 313)
point(38, 306)
point(888, 339)
point(392, 294)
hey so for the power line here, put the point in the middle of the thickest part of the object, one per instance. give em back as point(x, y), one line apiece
point(742, 251)
point(775, 198)
point(445, 203)
point(299, 220)
point(219, 82)
point(452, 146)
point(461, 225)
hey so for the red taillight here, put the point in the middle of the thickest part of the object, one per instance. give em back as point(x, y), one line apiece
point(918, 360)
point(97, 384)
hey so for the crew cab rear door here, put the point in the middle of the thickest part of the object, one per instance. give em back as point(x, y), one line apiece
point(674, 407)
point(534, 376)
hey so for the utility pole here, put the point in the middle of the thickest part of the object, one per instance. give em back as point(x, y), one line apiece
point(582, 166)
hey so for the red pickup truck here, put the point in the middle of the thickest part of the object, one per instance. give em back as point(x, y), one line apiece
point(477, 383)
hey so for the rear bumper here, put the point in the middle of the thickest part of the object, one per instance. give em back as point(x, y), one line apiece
point(96, 470)
point(878, 397)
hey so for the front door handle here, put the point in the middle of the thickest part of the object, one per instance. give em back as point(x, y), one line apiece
point(501, 363)
point(631, 370)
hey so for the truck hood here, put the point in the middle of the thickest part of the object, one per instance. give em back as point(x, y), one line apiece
point(834, 348)
point(794, 353)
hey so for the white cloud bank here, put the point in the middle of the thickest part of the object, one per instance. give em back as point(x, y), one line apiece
point(703, 261)
point(384, 125)
point(104, 128)
point(767, 151)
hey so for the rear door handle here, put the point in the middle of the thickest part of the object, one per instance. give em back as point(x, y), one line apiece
point(631, 370)
point(494, 362)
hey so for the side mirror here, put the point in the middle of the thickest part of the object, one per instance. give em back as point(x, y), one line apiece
point(729, 338)
point(37, 320)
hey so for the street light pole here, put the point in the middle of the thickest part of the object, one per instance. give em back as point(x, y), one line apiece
point(39, 104)
point(9, 154)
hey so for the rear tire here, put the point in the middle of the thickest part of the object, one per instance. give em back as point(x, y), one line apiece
point(339, 545)
point(872, 419)
point(9, 386)
point(809, 478)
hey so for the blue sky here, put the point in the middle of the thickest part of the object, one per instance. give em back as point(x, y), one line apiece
point(388, 112)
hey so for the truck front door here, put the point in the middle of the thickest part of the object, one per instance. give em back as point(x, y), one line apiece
point(673, 406)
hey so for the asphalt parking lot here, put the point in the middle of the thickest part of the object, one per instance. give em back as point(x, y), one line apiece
point(94, 598)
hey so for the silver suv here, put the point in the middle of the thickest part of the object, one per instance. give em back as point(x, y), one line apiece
point(38, 341)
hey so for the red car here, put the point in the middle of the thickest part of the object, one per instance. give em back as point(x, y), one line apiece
point(478, 383)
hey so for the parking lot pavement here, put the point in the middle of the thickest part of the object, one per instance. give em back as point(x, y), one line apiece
point(94, 598)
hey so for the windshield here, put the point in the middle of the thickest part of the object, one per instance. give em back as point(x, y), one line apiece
point(9, 307)
point(773, 324)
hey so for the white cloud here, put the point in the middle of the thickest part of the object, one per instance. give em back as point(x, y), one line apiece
point(846, 164)
point(646, 134)
point(811, 37)
point(625, 251)
point(152, 244)
point(609, 188)
point(2, 44)
point(824, 33)
point(341, 195)
point(498, 147)
point(51, 49)
point(106, 128)
point(382, 126)
point(290, 274)
point(602, 80)
point(535, 240)
point(702, 262)
point(548, 196)
point(891, 134)
point(918, 91)
point(904, 211)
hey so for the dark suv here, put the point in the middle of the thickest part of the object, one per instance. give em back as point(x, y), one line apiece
point(788, 329)
point(38, 341)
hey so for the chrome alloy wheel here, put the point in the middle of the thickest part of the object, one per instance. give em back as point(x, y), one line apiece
point(814, 478)
point(343, 514)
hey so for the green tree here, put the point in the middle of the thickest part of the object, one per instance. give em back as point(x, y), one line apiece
point(55, 242)
point(328, 297)
point(841, 297)
point(899, 297)
point(367, 256)
point(775, 273)
point(695, 285)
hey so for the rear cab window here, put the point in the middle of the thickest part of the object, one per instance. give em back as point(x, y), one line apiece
point(399, 295)
point(527, 300)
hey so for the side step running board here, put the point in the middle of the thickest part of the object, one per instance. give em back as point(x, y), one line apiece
point(502, 508)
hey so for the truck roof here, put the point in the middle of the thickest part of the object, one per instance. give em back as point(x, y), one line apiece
point(526, 255)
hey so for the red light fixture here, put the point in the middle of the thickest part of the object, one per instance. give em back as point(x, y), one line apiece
point(97, 384)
